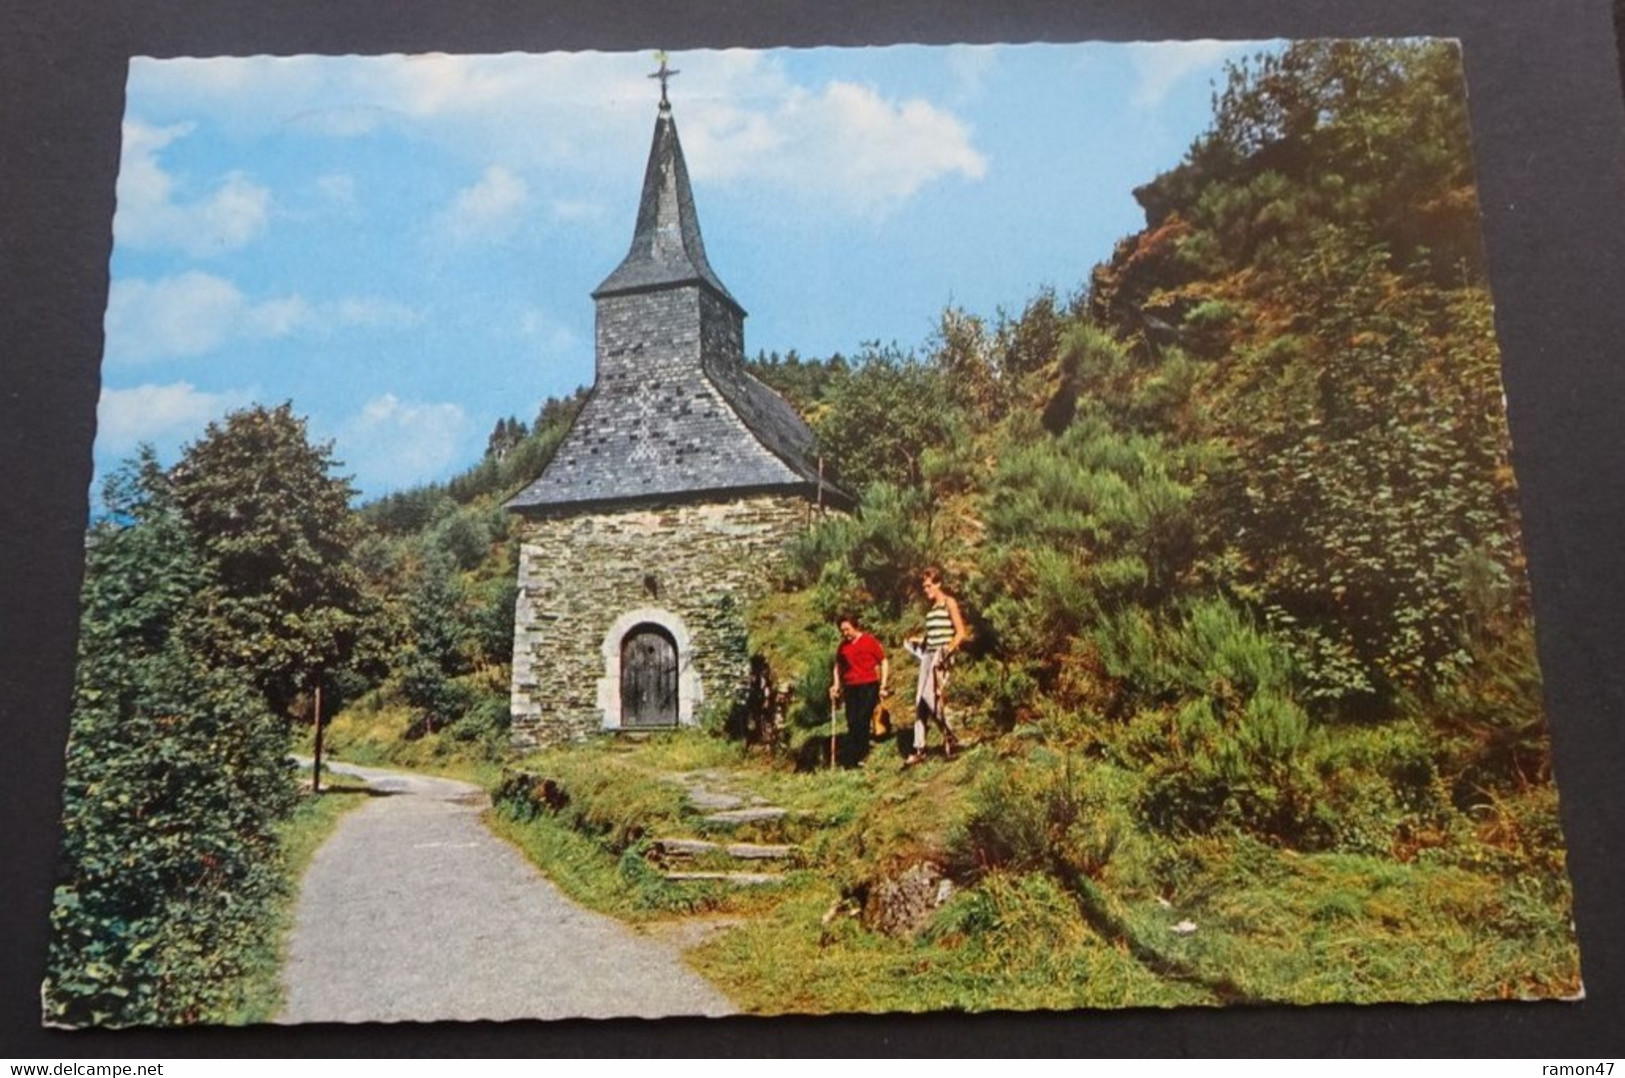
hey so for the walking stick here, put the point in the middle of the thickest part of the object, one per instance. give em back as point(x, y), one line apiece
point(939, 682)
point(832, 735)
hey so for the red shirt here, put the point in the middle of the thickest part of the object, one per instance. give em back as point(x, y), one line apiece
point(859, 660)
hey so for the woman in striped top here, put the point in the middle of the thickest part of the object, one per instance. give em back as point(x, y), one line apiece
point(944, 635)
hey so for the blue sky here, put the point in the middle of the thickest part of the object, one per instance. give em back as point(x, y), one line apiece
point(404, 246)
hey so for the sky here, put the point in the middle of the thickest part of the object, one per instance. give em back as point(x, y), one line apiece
point(405, 246)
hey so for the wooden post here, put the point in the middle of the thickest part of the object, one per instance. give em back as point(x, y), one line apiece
point(316, 768)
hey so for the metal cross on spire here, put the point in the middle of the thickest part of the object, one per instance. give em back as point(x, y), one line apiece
point(663, 75)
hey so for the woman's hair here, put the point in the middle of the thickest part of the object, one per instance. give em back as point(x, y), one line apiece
point(932, 575)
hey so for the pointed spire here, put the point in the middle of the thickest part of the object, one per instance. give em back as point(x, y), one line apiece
point(666, 246)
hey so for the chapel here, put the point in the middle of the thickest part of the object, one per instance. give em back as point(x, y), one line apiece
point(662, 513)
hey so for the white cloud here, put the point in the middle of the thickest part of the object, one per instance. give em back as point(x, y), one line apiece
point(337, 188)
point(553, 335)
point(437, 83)
point(744, 120)
point(725, 142)
point(370, 312)
point(488, 209)
point(154, 212)
point(194, 314)
point(235, 214)
point(341, 121)
point(158, 413)
point(578, 209)
point(277, 317)
point(188, 315)
point(970, 65)
point(393, 443)
point(517, 87)
point(1162, 65)
point(217, 78)
point(846, 143)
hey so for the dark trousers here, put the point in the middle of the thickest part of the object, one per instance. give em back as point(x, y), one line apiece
point(861, 701)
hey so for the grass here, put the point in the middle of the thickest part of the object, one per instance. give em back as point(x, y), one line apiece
point(1062, 899)
point(371, 734)
point(1013, 943)
point(1063, 895)
point(624, 794)
point(301, 835)
point(1326, 928)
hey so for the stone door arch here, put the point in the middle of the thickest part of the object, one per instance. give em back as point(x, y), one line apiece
point(649, 678)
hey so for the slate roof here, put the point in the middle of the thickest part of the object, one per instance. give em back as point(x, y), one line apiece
point(683, 427)
point(666, 244)
point(718, 432)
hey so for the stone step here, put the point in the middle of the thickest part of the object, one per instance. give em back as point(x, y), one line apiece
point(742, 879)
point(733, 817)
point(714, 800)
point(739, 851)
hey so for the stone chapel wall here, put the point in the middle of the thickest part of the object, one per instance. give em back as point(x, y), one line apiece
point(699, 565)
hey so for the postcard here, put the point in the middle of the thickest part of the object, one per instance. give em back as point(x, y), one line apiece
point(968, 528)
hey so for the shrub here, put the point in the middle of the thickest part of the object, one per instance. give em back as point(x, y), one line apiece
point(1207, 647)
point(1042, 813)
point(838, 591)
point(522, 795)
point(1008, 691)
point(487, 720)
point(464, 537)
point(827, 542)
point(891, 544)
point(176, 776)
point(1248, 767)
point(491, 622)
point(884, 412)
point(1228, 741)
point(1491, 723)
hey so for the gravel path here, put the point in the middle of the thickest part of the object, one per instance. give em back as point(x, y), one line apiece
point(412, 911)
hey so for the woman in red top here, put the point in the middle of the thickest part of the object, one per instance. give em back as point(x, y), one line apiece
point(862, 673)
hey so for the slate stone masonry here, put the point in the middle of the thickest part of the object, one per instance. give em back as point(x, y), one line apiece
point(695, 567)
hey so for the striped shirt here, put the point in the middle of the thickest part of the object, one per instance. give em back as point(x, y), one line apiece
point(939, 627)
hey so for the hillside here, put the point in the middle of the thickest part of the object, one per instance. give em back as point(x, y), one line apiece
point(1236, 529)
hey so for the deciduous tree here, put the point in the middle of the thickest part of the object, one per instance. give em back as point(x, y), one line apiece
point(274, 524)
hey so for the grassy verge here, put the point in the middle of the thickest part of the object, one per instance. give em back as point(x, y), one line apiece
point(370, 734)
point(1061, 897)
point(624, 793)
point(1015, 942)
point(1343, 928)
point(300, 835)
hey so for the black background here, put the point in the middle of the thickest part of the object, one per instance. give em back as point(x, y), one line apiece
point(1549, 135)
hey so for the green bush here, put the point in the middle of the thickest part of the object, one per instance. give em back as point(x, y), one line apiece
point(867, 563)
point(464, 537)
point(1207, 648)
point(1040, 813)
point(827, 542)
point(176, 776)
point(884, 412)
point(1227, 741)
point(1491, 722)
point(485, 723)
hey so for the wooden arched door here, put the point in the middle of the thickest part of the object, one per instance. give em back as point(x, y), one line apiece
point(648, 677)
